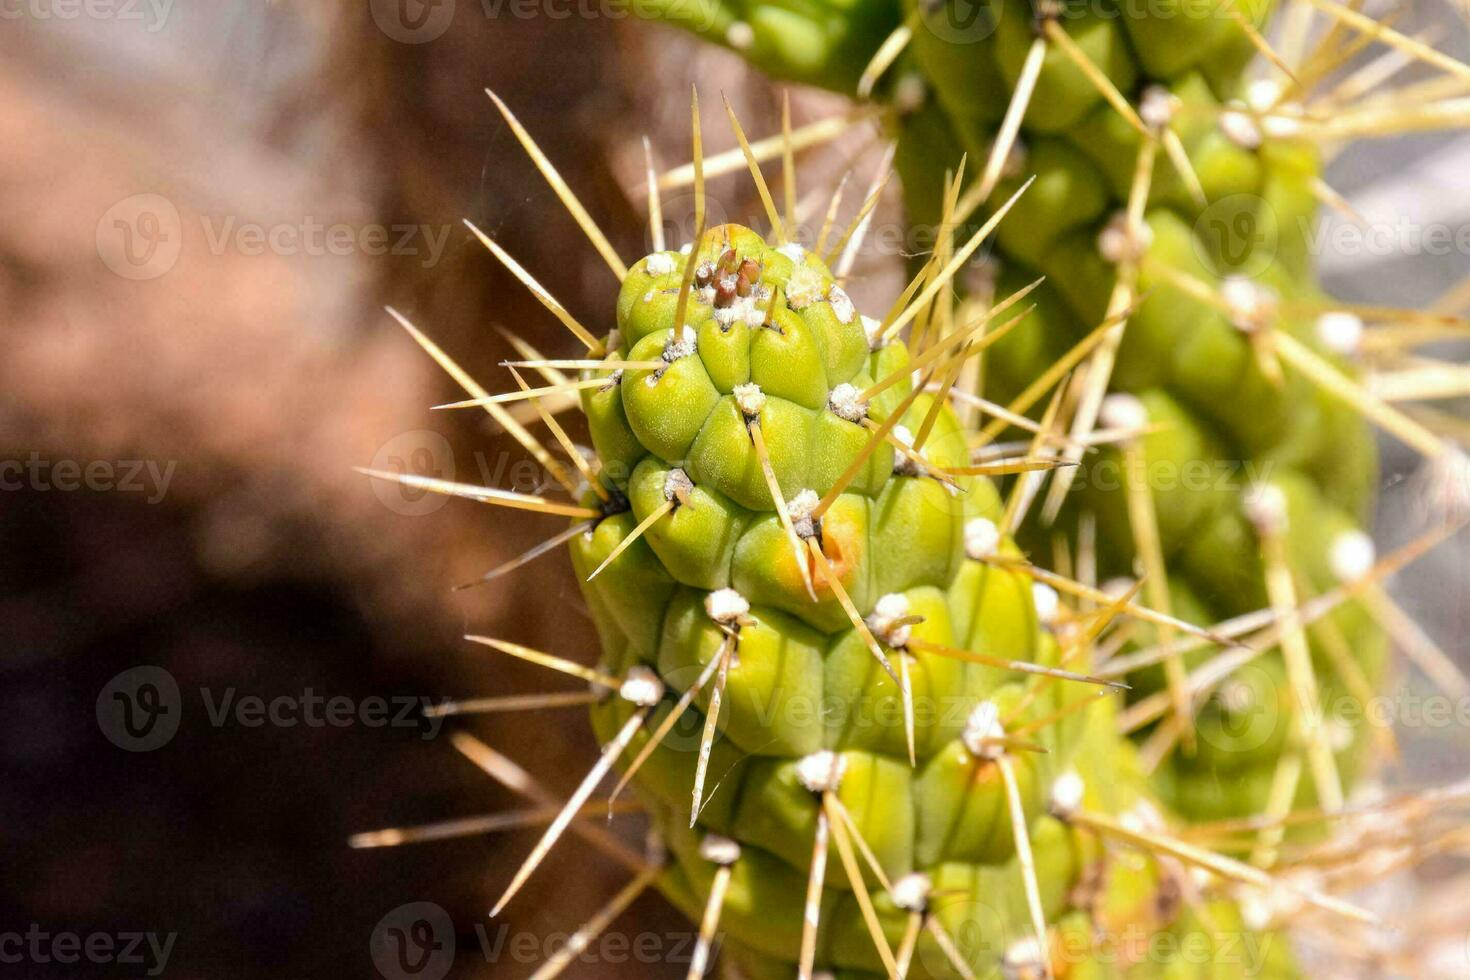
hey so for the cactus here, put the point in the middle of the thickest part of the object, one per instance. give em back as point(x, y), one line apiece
point(1188, 364)
point(1173, 201)
point(798, 583)
point(870, 735)
point(860, 722)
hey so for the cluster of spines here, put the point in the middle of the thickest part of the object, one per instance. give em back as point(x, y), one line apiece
point(1277, 118)
point(1275, 624)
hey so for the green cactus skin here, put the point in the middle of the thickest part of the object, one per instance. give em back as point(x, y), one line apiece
point(770, 340)
point(1189, 364)
point(1191, 367)
point(817, 42)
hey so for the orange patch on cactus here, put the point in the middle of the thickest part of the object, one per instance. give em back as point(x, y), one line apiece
point(843, 542)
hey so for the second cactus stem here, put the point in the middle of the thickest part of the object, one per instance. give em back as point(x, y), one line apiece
point(1171, 211)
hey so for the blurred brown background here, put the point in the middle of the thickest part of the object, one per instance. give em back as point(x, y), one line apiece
point(202, 211)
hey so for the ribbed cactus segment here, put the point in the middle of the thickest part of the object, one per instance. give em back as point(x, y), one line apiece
point(1221, 424)
point(771, 359)
point(770, 341)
